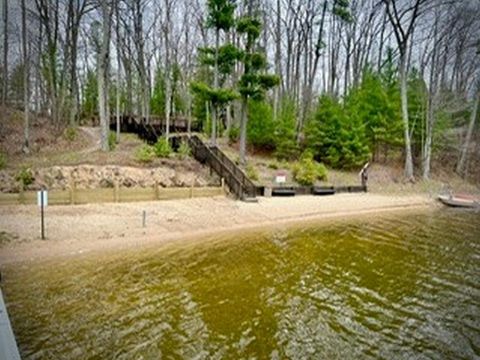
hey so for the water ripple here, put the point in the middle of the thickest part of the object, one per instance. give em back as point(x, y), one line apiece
point(390, 287)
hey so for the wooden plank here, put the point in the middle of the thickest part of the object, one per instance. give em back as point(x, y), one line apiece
point(207, 192)
point(173, 193)
point(134, 194)
point(8, 199)
point(92, 196)
point(86, 196)
point(59, 197)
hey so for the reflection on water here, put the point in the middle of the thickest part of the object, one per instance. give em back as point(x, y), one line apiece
point(391, 287)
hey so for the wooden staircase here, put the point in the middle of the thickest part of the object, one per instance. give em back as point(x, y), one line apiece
point(236, 180)
point(238, 183)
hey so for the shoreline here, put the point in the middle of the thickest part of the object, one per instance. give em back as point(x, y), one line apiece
point(84, 230)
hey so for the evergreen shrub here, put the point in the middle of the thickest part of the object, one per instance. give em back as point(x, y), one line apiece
point(307, 171)
point(25, 177)
point(145, 154)
point(162, 148)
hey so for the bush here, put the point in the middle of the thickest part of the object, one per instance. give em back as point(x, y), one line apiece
point(162, 148)
point(3, 160)
point(25, 177)
point(112, 140)
point(251, 172)
point(307, 170)
point(184, 150)
point(70, 133)
point(145, 154)
point(273, 165)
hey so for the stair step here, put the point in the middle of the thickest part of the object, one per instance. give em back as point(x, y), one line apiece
point(250, 199)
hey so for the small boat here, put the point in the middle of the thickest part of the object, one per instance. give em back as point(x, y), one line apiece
point(464, 201)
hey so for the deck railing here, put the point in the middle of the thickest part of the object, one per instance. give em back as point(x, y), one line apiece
point(238, 183)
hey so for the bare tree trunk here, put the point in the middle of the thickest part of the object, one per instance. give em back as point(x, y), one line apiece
point(278, 61)
point(462, 162)
point(215, 86)
point(26, 80)
point(243, 132)
point(103, 70)
point(139, 45)
point(168, 80)
point(406, 130)
point(403, 32)
point(119, 77)
point(432, 99)
point(5, 53)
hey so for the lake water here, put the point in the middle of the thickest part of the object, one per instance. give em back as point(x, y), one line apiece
point(393, 286)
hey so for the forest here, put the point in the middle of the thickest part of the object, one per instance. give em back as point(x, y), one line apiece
point(344, 81)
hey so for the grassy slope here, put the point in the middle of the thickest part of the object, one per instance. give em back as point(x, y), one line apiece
point(383, 179)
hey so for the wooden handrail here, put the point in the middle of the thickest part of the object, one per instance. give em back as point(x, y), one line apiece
point(234, 177)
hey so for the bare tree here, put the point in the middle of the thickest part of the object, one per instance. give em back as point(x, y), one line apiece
point(76, 9)
point(119, 75)
point(5, 53)
point(139, 41)
point(403, 24)
point(462, 162)
point(26, 79)
point(103, 64)
point(168, 71)
point(432, 99)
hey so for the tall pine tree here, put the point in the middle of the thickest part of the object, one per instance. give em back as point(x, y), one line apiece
point(254, 82)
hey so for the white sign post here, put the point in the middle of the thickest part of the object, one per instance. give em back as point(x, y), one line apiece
point(42, 201)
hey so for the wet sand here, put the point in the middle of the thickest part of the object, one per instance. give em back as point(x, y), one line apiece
point(81, 229)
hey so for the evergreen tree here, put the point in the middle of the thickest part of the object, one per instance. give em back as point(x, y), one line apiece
point(336, 137)
point(261, 127)
point(286, 147)
point(220, 18)
point(377, 109)
point(254, 81)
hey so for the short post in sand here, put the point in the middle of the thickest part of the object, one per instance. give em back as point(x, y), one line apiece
point(144, 218)
point(42, 200)
point(364, 176)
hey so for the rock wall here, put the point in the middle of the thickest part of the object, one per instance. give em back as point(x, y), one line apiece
point(91, 176)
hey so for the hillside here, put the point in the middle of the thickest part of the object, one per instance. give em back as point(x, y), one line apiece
point(58, 156)
point(55, 158)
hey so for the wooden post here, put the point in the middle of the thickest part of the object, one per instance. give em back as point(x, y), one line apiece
point(116, 191)
point(21, 195)
point(222, 181)
point(157, 190)
point(42, 213)
point(72, 191)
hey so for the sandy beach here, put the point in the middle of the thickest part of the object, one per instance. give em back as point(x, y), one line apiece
point(81, 229)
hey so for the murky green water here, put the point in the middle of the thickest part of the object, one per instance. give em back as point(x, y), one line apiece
point(397, 286)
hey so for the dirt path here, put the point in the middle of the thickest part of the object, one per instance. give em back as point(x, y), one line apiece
point(93, 134)
point(73, 230)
